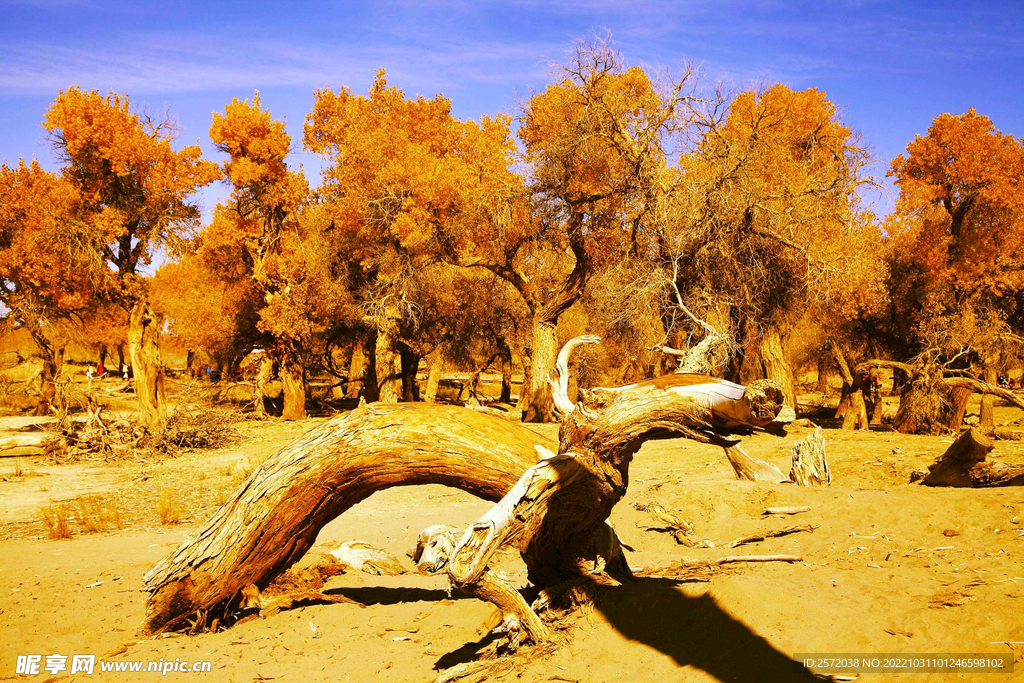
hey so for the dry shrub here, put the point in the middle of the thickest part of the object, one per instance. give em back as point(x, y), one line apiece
point(924, 408)
point(57, 518)
point(98, 514)
point(193, 423)
point(168, 506)
point(191, 426)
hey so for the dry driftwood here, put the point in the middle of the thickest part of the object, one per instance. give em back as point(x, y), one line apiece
point(560, 385)
point(772, 533)
point(809, 466)
point(750, 469)
point(795, 510)
point(963, 464)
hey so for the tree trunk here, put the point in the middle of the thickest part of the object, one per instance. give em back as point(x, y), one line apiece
point(436, 371)
point(506, 375)
point(276, 515)
point(900, 380)
point(988, 401)
point(540, 406)
point(53, 363)
point(852, 408)
point(388, 360)
point(263, 375)
point(775, 363)
point(823, 374)
point(144, 351)
point(963, 464)
point(120, 359)
point(522, 401)
point(293, 386)
point(410, 364)
point(358, 368)
point(953, 417)
point(103, 355)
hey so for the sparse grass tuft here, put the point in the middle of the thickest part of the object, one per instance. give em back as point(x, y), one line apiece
point(168, 506)
point(57, 518)
point(97, 514)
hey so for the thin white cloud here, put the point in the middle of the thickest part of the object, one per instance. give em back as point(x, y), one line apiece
point(159, 65)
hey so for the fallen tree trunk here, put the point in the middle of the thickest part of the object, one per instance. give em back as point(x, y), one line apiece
point(963, 464)
point(554, 511)
point(274, 518)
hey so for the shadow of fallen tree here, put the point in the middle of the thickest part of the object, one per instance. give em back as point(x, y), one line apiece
point(695, 631)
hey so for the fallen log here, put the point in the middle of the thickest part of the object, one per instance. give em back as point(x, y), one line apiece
point(274, 518)
point(553, 511)
point(963, 464)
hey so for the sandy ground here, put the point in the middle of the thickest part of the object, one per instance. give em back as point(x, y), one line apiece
point(891, 567)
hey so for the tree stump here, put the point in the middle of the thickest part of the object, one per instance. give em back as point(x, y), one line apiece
point(963, 464)
point(809, 466)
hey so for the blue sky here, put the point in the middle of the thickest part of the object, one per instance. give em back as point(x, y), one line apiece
point(890, 66)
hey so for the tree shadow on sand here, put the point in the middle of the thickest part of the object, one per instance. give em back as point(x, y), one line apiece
point(693, 631)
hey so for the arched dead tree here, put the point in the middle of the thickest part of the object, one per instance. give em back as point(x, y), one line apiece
point(555, 513)
point(934, 399)
point(560, 385)
point(274, 518)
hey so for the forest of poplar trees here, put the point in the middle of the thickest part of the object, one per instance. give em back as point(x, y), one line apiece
point(691, 227)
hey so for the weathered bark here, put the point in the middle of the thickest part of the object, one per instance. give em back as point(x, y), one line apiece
point(809, 465)
point(293, 386)
point(410, 364)
point(148, 372)
point(963, 464)
point(436, 360)
point(556, 514)
point(539, 403)
point(900, 379)
point(775, 364)
point(263, 375)
point(274, 518)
